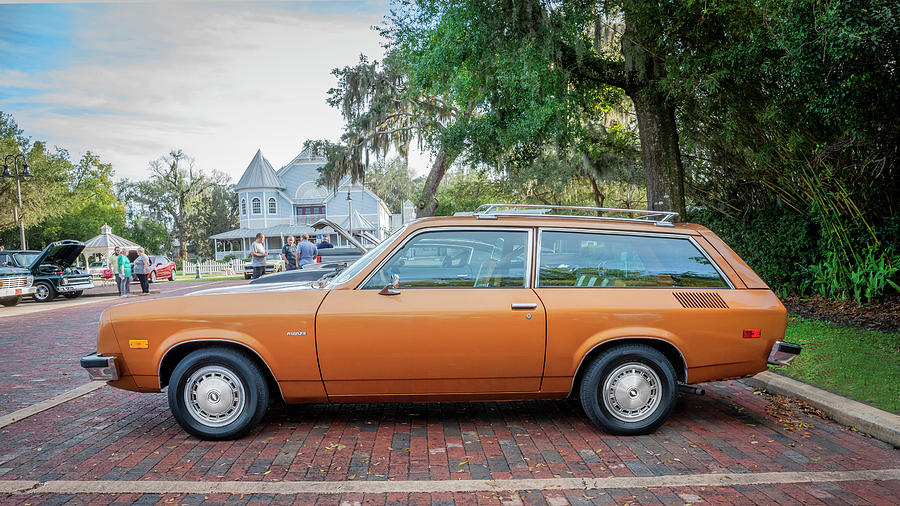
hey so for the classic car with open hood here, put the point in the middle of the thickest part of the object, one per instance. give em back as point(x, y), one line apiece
point(52, 269)
point(620, 309)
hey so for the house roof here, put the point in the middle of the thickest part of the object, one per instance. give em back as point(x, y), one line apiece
point(273, 231)
point(259, 174)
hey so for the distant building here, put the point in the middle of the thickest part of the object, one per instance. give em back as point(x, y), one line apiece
point(286, 202)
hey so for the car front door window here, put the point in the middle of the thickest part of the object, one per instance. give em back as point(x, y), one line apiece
point(458, 259)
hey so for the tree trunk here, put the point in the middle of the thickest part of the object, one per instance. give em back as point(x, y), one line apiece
point(658, 133)
point(660, 153)
point(428, 203)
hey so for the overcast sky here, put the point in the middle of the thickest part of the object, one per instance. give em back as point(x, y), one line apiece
point(130, 81)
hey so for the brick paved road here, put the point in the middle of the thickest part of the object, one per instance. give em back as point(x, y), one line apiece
point(114, 436)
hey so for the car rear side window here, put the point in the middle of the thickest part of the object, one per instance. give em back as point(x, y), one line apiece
point(599, 260)
point(458, 259)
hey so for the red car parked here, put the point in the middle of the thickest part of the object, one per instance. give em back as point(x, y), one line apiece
point(161, 268)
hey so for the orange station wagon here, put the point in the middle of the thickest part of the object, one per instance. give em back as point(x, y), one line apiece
point(620, 310)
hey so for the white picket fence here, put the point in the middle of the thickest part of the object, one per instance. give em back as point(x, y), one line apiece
point(233, 267)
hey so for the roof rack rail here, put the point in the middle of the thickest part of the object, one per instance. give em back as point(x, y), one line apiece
point(492, 211)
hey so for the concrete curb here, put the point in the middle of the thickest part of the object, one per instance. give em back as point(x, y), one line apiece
point(873, 421)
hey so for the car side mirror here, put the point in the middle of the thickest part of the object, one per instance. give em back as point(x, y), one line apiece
point(390, 289)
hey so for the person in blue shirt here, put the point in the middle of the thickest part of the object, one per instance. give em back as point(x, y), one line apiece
point(306, 251)
point(325, 244)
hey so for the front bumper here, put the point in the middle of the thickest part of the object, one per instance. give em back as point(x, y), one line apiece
point(783, 353)
point(100, 368)
point(13, 292)
point(75, 287)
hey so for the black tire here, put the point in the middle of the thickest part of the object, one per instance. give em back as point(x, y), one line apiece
point(247, 276)
point(653, 390)
point(172, 275)
point(225, 369)
point(11, 301)
point(43, 292)
point(152, 278)
point(73, 295)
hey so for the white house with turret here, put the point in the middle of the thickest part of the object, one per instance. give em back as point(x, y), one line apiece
point(287, 201)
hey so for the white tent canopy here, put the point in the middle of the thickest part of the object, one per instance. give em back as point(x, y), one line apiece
point(105, 244)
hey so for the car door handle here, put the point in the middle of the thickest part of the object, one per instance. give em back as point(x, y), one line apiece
point(524, 305)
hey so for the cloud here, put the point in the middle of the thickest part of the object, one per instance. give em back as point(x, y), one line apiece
point(132, 81)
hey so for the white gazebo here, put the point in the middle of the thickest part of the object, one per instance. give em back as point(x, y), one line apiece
point(105, 244)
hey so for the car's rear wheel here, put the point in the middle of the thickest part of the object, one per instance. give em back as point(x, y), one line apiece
point(153, 276)
point(11, 301)
point(73, 295)
point(43, 292)
point(629, 390)
point(217, 393)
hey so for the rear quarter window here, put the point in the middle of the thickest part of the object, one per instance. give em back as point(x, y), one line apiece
point(602, 260)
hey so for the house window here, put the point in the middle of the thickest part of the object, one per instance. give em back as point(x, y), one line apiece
point(273, 207)
point(243, 207)
point(256, 206)
point(308, 210)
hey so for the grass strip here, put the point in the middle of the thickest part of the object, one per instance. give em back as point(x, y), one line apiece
point(857, 363)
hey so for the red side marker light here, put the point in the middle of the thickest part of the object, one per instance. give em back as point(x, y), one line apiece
point(752, 333)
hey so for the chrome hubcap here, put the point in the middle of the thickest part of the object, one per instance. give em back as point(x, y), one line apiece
point(214, 396)
point(631, 393)
point(42, 291)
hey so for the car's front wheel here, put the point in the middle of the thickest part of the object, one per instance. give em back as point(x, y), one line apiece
point(153, 276)
point(172, 275)
point(217, 393)
point(629, 390)
point(43, 292)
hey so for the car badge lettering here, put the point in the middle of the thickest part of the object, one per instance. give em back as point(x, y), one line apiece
point(296, 333)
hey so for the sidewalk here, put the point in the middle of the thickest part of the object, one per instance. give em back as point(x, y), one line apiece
point(873, 421)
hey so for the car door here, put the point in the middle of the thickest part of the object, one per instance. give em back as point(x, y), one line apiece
point(463, 320)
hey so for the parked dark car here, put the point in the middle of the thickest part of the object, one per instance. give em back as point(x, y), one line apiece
point(333, 260)
point(161, 268)
point(52, 269)
point(15, 283)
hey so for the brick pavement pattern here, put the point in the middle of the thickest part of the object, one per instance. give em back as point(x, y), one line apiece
point(116, 435)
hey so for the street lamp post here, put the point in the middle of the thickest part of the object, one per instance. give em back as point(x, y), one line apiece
point(350, 214)
point(18, 176)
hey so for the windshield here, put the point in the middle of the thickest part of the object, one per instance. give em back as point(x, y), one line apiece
point(365, 260)
point(24, 259)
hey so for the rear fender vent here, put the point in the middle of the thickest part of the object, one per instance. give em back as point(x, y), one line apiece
point(701, 300)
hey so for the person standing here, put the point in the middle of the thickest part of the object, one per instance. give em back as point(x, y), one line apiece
point(289, 254)
point(124, 268)
point(114, 267)
point(306, 252)
point(258, 256)
point(325, 244)
point(142, 270)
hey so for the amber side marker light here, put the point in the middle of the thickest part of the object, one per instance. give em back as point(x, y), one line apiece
point(138, 344)
point(752, 333)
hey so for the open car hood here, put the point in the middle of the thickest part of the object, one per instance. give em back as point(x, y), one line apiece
point(61, 253)
point(324, 222)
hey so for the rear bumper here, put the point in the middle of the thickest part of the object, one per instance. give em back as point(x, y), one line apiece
point(100, 368)
point(783, 353)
